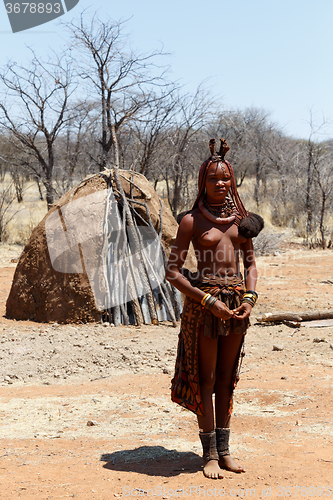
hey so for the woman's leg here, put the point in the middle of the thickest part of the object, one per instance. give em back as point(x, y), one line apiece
point(207, 349)
point(228, 352)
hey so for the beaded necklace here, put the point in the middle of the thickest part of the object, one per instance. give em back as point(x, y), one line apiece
point(225, 210)
point(219, 214)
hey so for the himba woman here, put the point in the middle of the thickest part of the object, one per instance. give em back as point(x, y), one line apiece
point(217, 306)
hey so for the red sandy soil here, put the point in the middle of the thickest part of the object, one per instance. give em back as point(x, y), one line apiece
point(56, 378)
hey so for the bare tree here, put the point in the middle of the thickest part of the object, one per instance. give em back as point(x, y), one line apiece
point(324, 180)
point(7, 198)
point(283, 154)
point(34, 109)
point(121, 80)
point(259, 136)
point(74, 149)
point(181, 157)
point(149, 134)
point(233, 126)
point(4, 166)
point(19, 177)
point(248, 134)
point(14, 164)
point(313, 151)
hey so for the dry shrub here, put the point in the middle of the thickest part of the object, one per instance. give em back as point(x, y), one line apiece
point(268, 242)
point(246, 194)
point(21, 226)
point(284, 215)
point(19, 232)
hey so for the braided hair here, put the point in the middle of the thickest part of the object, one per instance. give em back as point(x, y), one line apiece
point(249, 224)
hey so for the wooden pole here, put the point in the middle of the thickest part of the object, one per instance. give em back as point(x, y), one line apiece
point(293, 316)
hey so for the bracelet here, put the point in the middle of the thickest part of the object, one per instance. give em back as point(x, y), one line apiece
point(210, 302)
point(251, 302)
point(205, 298)
point(250, 296)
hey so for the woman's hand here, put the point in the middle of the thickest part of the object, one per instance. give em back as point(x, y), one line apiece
point(243, 311)
point(220, 310)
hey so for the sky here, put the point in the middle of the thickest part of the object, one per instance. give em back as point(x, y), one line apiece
point(269, 54)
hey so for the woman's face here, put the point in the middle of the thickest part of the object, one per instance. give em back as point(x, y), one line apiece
point(218, 183)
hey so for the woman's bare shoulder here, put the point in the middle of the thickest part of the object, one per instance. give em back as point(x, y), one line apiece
point(189, 219)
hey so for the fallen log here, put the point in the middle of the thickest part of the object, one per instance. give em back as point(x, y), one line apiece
point(292, 316)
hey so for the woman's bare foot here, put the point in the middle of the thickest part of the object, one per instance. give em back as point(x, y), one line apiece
point(212, 470)
point(228, 463)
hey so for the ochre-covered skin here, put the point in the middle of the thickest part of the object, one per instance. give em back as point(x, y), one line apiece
point(218, 247)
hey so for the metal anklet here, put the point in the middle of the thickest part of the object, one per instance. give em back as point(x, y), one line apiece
point(222, 441)
point(208, 441)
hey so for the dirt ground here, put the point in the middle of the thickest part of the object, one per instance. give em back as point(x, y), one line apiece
point(54, 379)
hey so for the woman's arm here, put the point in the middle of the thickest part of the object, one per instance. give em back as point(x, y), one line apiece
point(250, 268)
point(250, 272)
point(177, 258)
